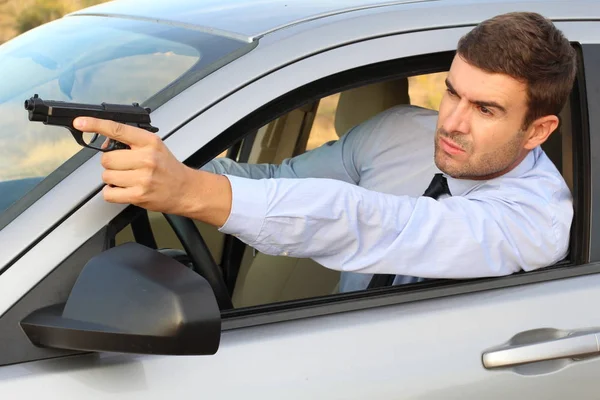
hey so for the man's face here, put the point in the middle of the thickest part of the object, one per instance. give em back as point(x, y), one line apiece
point(479, 133)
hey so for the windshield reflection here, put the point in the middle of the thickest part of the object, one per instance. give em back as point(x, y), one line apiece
point(102, 63)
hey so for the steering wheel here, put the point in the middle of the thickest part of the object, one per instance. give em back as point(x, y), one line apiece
point(196, 251)
point(194, 245)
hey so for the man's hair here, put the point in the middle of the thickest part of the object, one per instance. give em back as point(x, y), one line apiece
point(530, 49)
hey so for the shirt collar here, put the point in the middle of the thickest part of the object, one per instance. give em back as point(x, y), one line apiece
point(460, 187)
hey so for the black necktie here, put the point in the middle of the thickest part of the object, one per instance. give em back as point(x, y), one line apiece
point(437, 187)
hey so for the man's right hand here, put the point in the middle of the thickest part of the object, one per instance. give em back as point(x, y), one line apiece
point(149, 176)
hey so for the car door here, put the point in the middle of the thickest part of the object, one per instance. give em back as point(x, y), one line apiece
point(427, 341)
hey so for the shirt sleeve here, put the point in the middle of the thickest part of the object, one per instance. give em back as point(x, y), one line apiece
point(332, 160)
point(349, 228)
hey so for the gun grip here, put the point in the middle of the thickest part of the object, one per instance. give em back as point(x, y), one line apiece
point(114, 145)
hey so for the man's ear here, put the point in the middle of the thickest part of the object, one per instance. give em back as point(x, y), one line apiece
point(540, 130)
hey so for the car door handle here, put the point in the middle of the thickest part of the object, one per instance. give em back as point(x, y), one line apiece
point(573, 346)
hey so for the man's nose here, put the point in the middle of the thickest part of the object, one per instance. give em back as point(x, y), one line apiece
point(458, 120)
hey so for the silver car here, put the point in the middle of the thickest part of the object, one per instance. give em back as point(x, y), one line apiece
point(103, 301)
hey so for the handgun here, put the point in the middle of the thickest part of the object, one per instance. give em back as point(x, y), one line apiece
point(61, 113)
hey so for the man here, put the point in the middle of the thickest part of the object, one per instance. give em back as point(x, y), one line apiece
point(502, 205)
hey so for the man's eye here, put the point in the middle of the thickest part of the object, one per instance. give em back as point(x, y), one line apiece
point(450, 92)
point(485, 110)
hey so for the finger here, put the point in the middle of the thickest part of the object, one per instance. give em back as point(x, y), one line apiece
point(119, 195)
point(122, 179)
point(123, 160)
point(120, 132)
point(105, 143)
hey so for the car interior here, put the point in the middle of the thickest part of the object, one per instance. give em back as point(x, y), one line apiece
point(264, 279)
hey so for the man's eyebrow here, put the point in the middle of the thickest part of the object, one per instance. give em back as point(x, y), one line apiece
point(480, 103)
point(449, 86)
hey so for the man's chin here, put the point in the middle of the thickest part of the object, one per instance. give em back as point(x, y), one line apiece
point(446, 164)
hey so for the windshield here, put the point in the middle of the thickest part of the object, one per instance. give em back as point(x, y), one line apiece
point(89, 59)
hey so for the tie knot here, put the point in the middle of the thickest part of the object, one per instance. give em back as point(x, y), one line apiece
point(437, 187)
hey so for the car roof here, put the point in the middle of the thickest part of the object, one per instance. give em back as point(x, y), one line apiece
point(251, 19)
point(243, 19)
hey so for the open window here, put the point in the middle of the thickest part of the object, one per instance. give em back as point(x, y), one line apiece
point(321, 112)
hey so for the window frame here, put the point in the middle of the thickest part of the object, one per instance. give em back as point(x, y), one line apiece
point(245, 129)
point(392, 69)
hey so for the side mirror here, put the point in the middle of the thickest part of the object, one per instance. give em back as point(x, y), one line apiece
point(132, 299)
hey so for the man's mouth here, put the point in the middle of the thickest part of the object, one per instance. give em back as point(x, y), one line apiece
point(450, 147)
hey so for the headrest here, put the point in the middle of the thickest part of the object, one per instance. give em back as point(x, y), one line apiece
point(358, 105)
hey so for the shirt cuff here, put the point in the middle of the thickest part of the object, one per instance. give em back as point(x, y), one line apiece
point(248, 208)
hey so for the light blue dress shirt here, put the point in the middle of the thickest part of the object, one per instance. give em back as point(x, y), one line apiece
point(367, 214)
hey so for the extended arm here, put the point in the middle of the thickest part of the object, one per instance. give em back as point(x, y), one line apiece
point(342, 159)
point(327, 161)
point(348, 228)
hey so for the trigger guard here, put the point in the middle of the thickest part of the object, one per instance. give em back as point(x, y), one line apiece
point(77, 135)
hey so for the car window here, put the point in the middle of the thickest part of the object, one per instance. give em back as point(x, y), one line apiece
point(272, 143)
point(257, 279)
point(264, 279)
point(112, 60)
point(423, 90)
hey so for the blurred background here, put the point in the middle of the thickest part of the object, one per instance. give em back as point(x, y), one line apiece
point(18, 16)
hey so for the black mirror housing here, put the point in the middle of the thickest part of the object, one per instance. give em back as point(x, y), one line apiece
point(132, 299)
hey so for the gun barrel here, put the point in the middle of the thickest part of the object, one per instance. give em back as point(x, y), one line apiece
point(29, 105)
point(42, 110)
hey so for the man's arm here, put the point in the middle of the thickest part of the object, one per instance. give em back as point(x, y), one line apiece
point(342, 159)
point(330, 160)
point(340, 225)
point(348, 228)
point(149, 176)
